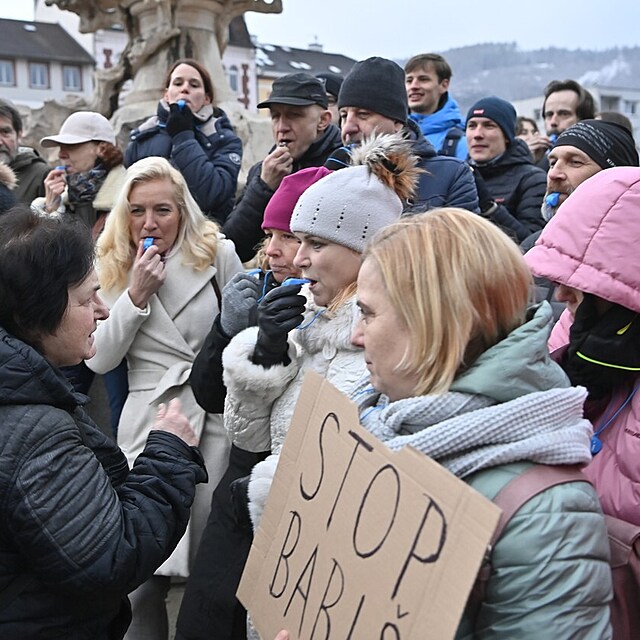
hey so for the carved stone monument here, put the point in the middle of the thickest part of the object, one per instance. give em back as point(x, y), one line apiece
point(160, 32)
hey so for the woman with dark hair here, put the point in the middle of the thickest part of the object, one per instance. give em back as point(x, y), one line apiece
point(196, 136)
point(90, 173)
point(162, 266)
point(78, 529)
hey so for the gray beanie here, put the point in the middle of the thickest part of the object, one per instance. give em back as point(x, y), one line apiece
point(346, 207)
point(376, 84)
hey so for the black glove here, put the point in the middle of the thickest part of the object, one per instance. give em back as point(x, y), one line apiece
point(239, 490)
point(487, 203)
point(179, 120)
point(280, 311)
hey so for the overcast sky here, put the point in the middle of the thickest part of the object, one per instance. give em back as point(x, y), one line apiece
point(400, 28)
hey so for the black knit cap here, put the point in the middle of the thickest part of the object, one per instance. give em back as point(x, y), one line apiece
point(300, 89)
point(608, 144)
point(500, 111)
point(376, 84)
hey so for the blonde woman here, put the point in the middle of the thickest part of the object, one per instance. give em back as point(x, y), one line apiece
point(161, 265)
point(459, 369)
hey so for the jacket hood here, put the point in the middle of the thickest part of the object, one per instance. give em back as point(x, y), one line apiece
point(421, 146)
point(591, 242)
point(26, 377)
point(518, 365)
point(7, 177)
point(442, 120)
point(25, 157)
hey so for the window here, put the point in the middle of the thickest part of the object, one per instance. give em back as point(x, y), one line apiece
point(7, 74)
point(630, 107)
point(38, 75)
point(71, 78)
point(233, 78)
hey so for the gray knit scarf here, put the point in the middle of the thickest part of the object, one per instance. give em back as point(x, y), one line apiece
point(466, 432)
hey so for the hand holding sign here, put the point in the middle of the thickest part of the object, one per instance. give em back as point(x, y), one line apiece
point(373, 544)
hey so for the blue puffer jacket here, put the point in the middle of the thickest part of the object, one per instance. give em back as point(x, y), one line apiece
point(435, 126)
point(208, 157)
point(76, 524)
point(448, 182)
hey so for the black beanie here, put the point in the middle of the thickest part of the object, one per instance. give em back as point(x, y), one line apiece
point(608, 144)
point(498, 110)
point(376, 84)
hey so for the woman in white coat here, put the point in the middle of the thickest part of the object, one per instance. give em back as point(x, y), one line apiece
point(161, 265)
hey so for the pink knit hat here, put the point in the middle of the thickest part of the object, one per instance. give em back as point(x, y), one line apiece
point(277, 214)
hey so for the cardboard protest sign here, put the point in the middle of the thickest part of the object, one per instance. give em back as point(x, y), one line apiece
point(358, 542)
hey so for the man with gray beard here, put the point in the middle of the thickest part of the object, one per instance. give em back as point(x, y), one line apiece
point(29, 168)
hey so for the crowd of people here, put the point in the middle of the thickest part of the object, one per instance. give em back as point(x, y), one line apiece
point(470, 282)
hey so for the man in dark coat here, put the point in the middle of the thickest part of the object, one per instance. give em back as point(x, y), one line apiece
point(304, 137)
point(510, 186)
point(29, 168)
point(372, 99)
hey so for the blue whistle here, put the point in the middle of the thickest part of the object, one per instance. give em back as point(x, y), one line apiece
point(552, 199)
point(181, 104)
point(300, 281)
point(553, 137)
point(254, 272)
point(148, 242)
point(61, 168)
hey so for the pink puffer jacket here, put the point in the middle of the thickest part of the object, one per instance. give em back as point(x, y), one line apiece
point(593, 244)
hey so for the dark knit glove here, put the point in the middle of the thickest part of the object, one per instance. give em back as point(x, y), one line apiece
point(280, 311)
point(179, 120)
point(239, 298)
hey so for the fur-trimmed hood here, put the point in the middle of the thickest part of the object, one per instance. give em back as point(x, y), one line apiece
point(7, 176)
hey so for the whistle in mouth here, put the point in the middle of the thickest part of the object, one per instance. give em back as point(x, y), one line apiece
point(148, 242)
point(553, 199)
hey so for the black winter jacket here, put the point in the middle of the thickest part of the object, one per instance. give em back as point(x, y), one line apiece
point(243, 224)
point(518, 187)
point(208, 157)
point(31, 169)
point(80, 526)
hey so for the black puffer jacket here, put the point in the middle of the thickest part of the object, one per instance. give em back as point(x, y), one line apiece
point(446, 182)
point(208, 157)
point(518, 187)
point(76, 525)
point(243, 224)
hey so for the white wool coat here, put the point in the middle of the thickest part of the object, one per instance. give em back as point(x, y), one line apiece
point(260, 401)
point(160, 343)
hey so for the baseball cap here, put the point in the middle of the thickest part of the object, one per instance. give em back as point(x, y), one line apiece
point(297, 89)
point(82, 126)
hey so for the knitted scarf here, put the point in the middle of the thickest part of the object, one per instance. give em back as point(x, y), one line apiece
point(467, 432)
point(83, 186)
